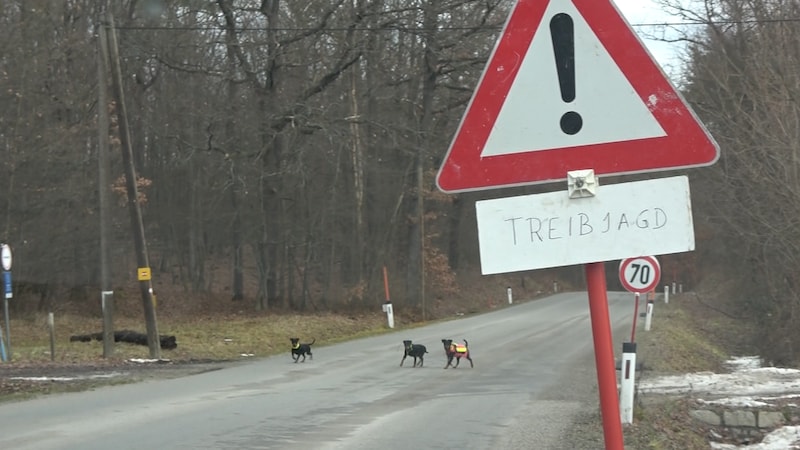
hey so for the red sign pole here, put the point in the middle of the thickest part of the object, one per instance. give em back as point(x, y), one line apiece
point(635, 314)
point(604, 355)
point(386, 284)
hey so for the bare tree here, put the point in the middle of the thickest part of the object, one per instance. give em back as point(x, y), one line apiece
point(743, 81)
point(283, 147)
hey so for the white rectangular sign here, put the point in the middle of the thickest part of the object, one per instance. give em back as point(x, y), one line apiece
point(652, 217)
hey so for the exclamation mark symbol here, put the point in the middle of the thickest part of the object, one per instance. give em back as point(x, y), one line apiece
point(562, 32)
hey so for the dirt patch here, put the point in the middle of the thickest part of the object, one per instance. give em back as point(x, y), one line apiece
point(26, 380)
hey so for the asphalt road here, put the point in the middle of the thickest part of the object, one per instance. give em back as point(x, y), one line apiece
point(534, 372)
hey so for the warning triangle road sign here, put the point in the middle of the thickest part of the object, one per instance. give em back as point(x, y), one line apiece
point(569, 86)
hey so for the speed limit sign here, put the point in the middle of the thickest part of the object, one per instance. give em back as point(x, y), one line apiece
point(640, 274)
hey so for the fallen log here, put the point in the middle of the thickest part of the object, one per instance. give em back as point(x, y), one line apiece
point(131, 337)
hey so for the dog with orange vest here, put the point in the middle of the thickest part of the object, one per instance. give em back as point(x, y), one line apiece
point(456, 351)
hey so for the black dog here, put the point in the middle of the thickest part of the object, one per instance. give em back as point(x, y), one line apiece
point(456, 351)
point(299, 349)
point(415, 351)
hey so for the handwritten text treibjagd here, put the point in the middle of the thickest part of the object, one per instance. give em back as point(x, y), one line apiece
point(623, 220)
point(539, 229)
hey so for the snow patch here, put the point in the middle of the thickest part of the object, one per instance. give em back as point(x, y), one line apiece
point(747, 385)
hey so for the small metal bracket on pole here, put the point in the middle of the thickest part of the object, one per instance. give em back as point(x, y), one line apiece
point(582, 183)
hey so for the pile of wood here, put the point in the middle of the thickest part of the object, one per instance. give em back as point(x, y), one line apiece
point(131, 337)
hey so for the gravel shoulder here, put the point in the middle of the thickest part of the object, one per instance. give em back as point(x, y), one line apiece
point(21, 381)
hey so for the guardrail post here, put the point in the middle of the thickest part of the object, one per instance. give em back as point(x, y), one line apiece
point(627, 381)
point(387, 308)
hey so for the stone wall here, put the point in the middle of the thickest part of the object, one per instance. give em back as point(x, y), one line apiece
point(746, 425)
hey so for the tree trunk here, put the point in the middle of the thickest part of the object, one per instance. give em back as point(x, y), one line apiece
point(415, 284)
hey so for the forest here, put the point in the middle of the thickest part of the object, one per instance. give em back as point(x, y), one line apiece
point(285, 152)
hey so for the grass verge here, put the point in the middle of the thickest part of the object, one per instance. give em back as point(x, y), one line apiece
point(199, 338)
point(686, 336)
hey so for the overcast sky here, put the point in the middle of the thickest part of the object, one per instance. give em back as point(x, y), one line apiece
point(638, 12)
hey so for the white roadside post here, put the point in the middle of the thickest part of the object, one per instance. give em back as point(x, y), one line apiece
point(666, 294)
point(387, 308)
point(648, 318)
point(510, 296)
point(387, 304)
point(51, 326)
point(627, 382)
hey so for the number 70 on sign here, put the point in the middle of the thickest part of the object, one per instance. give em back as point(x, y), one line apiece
point(640, 274)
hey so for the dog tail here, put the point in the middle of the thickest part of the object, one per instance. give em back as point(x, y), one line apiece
point(312, 341)
point(466, 344)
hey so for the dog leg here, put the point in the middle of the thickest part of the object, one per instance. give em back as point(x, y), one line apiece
point(470, 362)
point(401, 361)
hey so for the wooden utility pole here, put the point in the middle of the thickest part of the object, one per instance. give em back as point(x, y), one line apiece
point(104, 163)
point(421, 209)
point(143, 269)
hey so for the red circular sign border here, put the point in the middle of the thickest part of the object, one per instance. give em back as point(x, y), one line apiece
point(624, 265)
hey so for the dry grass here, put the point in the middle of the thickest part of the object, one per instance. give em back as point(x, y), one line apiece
point(199, 337)
point(675, 343)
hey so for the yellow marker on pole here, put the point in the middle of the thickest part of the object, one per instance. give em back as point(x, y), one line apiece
point(143, 273)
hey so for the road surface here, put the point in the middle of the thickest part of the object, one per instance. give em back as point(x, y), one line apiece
point(534, 372)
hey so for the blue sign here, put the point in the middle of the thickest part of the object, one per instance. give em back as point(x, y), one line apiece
point(7, 283)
